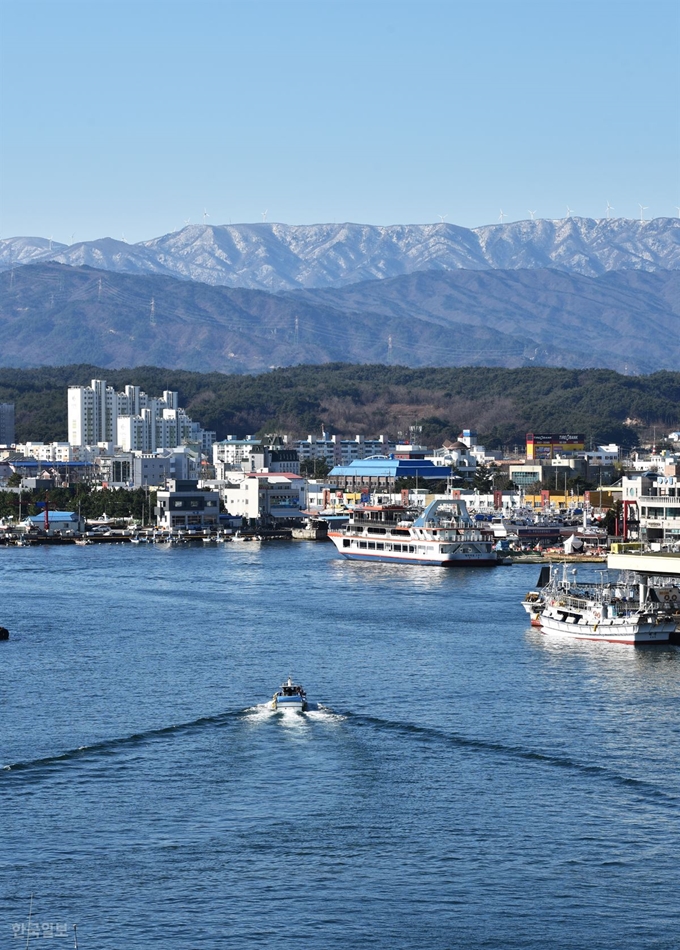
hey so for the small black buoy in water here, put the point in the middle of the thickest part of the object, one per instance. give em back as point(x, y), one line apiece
point(4, 633)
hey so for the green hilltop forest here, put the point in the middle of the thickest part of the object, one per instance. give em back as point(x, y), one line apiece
point(349, 399)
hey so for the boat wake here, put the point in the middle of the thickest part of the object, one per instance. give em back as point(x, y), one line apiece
point(315, 712)
point(263, 712)
point(112, 746)
point(428, 733)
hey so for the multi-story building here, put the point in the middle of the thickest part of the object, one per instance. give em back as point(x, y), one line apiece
point(252, 455)
point(184, 506)
point(147, 470)
point(49, 451)
point(92, 413)
point(652, 507)
point(131, 419)
point(265, 496)
point(233, 452)
point(335, 451)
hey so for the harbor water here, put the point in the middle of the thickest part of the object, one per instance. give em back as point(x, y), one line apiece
point(460, 780)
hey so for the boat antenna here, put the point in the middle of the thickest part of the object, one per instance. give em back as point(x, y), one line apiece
point(75, 936)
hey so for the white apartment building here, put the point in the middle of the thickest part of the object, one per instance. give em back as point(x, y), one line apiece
point(132, 420)
point(233, 452)
point(335, 451)
point(51, 451)
point(252, 455)
point(92, 413)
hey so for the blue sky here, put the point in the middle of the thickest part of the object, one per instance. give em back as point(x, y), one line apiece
point(130, 118)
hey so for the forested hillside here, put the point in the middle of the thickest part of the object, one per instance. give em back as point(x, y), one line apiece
point(52, 315)
point(503, 405)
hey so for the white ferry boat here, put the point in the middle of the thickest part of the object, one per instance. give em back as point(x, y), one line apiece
point(444, 534)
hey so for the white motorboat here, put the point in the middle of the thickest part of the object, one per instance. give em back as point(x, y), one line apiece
point(291, 697)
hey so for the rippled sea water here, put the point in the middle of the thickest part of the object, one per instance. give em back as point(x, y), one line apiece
point(462, 781)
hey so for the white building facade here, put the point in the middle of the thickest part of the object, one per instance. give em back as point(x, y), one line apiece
point(131, 420)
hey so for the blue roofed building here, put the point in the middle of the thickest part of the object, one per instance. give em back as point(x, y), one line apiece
point(57, 522)
point(380, 473)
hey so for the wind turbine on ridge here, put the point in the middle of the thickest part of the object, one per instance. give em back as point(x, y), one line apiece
point(609, 208)
point(643, 208)
point(205, 215)
point(532, 213)
point(264, 215)
point(570, 211)
point(501, 216)
point(442, 217)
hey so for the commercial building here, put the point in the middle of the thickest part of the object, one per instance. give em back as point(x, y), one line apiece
point(542, 447)
point(182, 506)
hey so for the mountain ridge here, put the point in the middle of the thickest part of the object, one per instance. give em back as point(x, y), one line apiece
point(52, 314)
point(278, 258)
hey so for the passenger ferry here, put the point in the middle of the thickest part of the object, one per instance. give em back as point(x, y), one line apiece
point(444, 535)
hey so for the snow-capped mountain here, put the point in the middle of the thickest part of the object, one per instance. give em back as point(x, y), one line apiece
point(279, 257)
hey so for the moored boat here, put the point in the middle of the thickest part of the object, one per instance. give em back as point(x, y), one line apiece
point(534, 599)
point(444, 534)
point(630, 612)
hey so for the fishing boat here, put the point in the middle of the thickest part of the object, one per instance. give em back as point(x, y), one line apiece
point(534, 599)
point(629, 612)
point(291, 697)
point(444, 535)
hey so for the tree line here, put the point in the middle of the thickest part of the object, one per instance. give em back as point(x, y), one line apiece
point(349, 399)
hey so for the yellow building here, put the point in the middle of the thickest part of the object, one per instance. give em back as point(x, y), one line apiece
point(548, 447)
